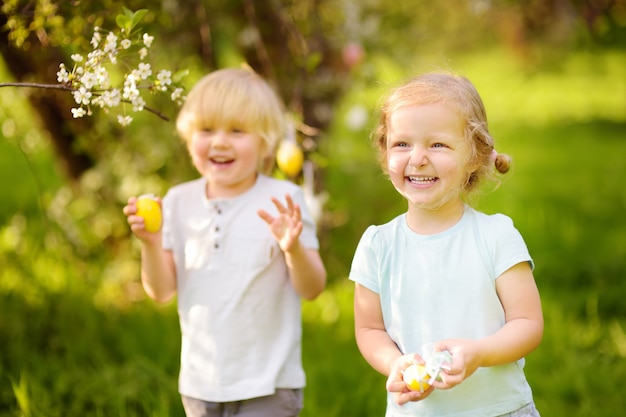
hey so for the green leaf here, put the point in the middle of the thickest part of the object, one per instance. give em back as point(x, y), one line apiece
point(179, 75)
point(124, 22)
point(130, 19)
point(138, 17)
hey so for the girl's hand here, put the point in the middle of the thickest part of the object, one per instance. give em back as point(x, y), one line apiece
point(137, 223)
point(465, 361)
point(287, 226)
point(402, 394)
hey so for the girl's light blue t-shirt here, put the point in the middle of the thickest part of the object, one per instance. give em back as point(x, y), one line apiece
point(435, 287)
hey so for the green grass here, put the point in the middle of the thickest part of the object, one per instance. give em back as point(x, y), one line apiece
point(79, 338)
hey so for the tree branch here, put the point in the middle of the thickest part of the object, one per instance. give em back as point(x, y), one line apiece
point(70, 89)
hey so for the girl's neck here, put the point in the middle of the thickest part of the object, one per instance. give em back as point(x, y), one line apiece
point(429, 222)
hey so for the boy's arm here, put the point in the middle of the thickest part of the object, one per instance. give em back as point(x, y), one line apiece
point(158, 273)
point(306, 270)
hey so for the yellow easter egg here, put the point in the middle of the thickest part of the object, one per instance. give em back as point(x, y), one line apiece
point(149, 209)
point(416, 377)
point(289, 158)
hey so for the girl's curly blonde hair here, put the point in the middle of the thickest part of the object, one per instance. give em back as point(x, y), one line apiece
point(459, 93)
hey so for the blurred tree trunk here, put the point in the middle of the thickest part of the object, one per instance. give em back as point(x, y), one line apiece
point(40, 64)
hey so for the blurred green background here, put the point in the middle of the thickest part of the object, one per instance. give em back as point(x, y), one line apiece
point(79, 336)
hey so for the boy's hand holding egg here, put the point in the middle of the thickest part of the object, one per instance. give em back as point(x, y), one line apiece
point(149, 208)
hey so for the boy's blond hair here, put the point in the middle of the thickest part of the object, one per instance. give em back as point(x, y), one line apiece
point(234, 98)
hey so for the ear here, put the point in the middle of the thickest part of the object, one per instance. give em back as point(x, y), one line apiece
point(266, 159)
point(266, 164)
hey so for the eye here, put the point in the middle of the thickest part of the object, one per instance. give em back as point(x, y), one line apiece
point(439, 145)
point(398, 144)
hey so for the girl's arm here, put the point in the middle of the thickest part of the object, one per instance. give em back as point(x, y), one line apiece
point(377, 347)
point(306, 269)
point(520, 335)
point(371, 337)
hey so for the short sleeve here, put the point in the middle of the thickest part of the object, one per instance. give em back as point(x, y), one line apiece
point(366, 261)
point(506, 245)
point(166, 230)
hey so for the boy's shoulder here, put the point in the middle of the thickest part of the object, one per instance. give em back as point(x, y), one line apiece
point(187, 187)
point(265, 181)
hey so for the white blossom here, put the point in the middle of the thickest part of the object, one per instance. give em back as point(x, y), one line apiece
point(177, 94)
point(82, 96)
point(89, 80)
point(96, 38)
point(144, 70)
point(93, 86)
point(112, 98)
point(111, 42)
point(102, 76)
point(130, 88)
point(147, 40)
point(164, 78)
point(138, 103)
point(94, 57)
point(109, 98)
point(124, 120)
point(62, 75)
point(78, 112)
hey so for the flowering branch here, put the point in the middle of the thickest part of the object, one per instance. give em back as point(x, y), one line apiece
point(70, 89)
point(90, 82)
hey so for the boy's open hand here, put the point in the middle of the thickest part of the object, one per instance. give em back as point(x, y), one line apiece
point(287, 226)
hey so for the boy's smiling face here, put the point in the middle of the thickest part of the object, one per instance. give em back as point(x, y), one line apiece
point(228, 158)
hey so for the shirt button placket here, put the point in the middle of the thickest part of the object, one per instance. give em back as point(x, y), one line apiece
point(216, 229)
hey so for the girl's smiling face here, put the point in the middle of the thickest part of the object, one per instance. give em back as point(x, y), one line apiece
point(228, 158)
point(427, 155)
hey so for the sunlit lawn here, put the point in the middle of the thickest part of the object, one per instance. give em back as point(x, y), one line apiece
point(74, 346)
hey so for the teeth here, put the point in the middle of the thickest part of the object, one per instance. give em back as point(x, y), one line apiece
point(422, 179)
point(220, 160)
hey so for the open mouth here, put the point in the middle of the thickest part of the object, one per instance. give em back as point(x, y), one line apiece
point(221, 161)
point(422, 180)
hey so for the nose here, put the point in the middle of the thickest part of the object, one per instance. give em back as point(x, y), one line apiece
point(219, 139)
point(418, 157)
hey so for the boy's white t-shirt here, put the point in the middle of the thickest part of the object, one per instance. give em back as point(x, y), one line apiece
point(240, 317)
point(435, 287)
